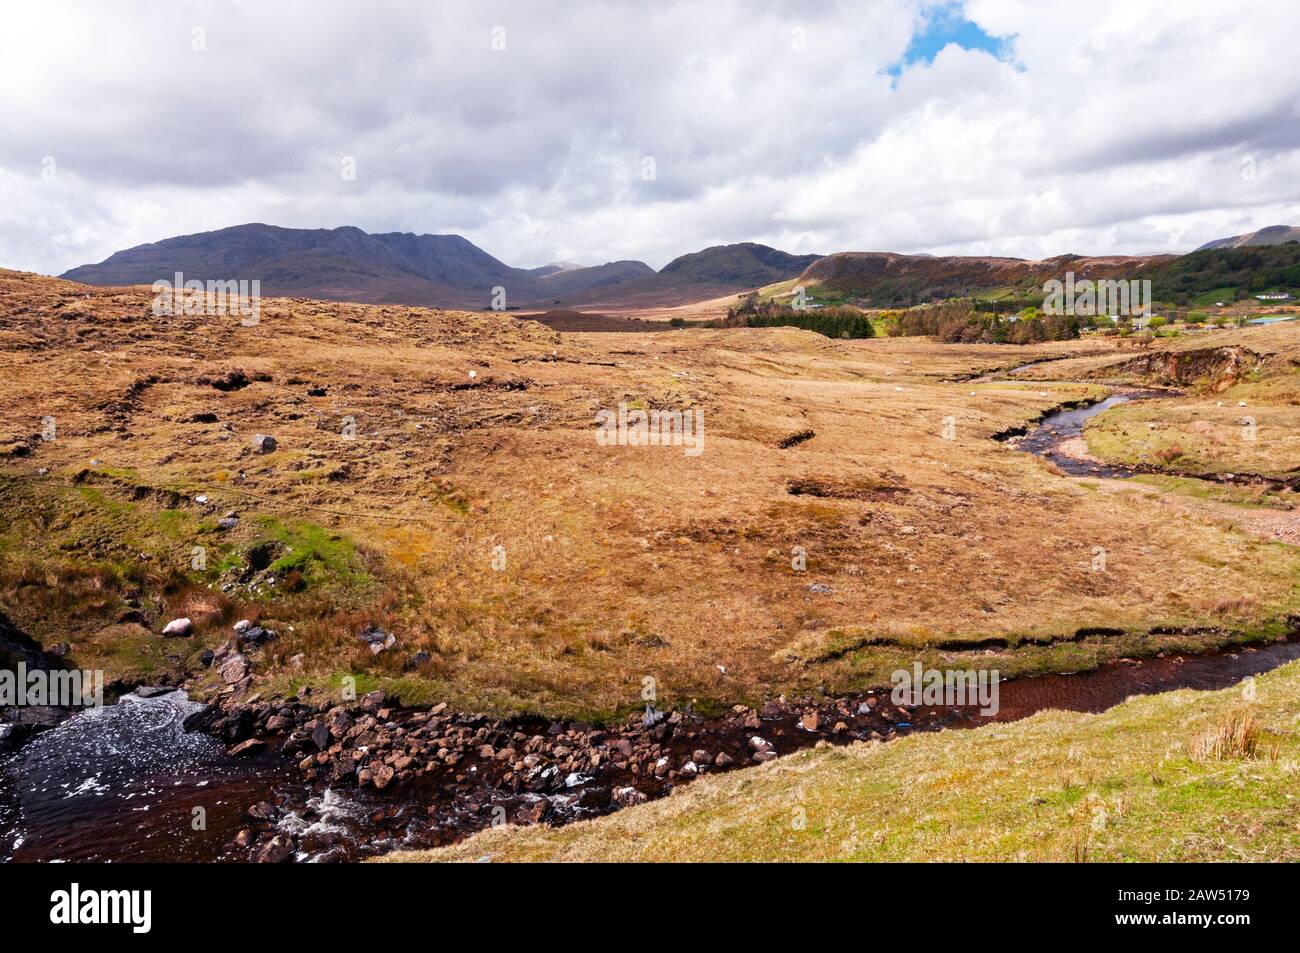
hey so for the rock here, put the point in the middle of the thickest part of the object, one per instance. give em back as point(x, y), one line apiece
point(278, 723)
point(820, 588)
point(256, 636)
point(627, 797)
point(152, 691)
point(381, 775)
point(532, 812)
point(262, 811)
point(203, 719)
point(242, 626)
point(263, 443)
point(12, 736)
point(761, 757)
point(227, 523)
point(723, 760)
point(234, 669)
point(244, 838)
point(419, 659)
point(206, 657)
point(250, 747)
point(275, 851)
point(701, 757)
point(180, 627)
point(760, 744)
point(377, 639)
point(690, 769)
point(373, 701)
point(60, 650)
point(320, 736)
point(809, 721)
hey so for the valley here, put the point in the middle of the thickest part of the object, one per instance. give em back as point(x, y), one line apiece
point(856, 509)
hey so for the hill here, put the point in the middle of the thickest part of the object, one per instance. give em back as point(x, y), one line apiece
point(1270, 235)
point(887, 279)
point(742, 266)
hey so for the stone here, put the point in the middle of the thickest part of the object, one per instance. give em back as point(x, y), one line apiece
point(627, 797)
point(275, 851)
point(263, 443)
point(250, 747)
point(723, 760)
point(178, 627)
point(810, 721)
point(234, 669)
point(242, 626)
point(701, 757)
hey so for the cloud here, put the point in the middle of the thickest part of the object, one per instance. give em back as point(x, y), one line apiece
point(1000, 127)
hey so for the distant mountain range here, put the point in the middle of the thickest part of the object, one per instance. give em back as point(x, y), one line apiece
point(1272, 235)
point(347, 264)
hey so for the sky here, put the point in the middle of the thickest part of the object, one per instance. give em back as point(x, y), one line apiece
point(596, 131)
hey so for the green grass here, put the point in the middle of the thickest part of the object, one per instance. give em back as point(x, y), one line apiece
point(320, 555)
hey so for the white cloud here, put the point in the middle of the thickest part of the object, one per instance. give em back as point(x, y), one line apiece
point(1119, 127)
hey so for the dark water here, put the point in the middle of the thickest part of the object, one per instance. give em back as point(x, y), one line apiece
point(1055, 429)
point(122, 782)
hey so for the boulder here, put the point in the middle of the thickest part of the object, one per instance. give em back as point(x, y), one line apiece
point(234, 669)
point(263, 443)
point(178, 627)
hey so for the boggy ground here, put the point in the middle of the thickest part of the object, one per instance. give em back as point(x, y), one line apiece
point(416, 450)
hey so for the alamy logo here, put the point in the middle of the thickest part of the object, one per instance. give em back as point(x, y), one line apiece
point(1088, 298)
point(64, 688)
point(75, 906)
point(651, 428)
point(947, 688)
point(213, 298)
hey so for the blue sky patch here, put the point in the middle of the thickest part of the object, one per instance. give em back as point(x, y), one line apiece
point(946, 23)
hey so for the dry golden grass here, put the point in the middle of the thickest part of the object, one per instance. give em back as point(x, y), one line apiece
point(620, 562)
point(1236, 736)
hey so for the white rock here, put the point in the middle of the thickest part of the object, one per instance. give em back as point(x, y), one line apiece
point(243, 625)
point(178, 627)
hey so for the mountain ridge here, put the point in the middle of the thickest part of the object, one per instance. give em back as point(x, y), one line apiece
point(347, 263)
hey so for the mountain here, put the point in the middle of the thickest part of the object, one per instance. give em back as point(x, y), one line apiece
point(887, 279)
point(1271, 235)
point(348, 264)
point(745, 265)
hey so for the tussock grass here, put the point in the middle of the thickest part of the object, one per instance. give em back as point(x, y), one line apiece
point(1235, 736)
